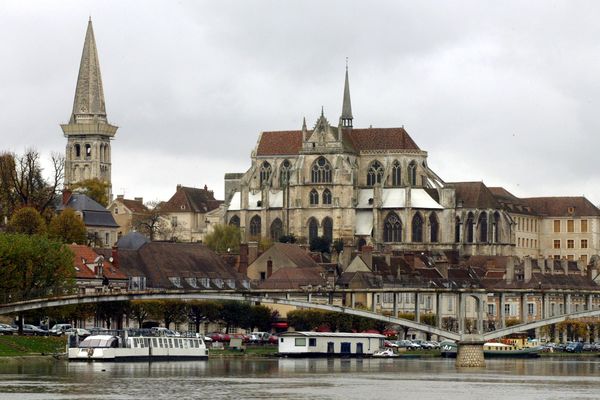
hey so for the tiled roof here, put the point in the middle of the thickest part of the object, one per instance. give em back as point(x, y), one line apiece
point(290, 277)
point(474, 195)
point(86, 255)
point(562, 206)
point(188, 199)
point(290, 142)
point(135, 206)
point(296, 254)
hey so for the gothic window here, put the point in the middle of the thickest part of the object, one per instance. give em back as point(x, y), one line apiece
point(470, 227)
point(321, 171)
point(417, 228)
point(106, 158)
point(326, 196)
point(496, 229)
point(457, 230)
point(396, 174)
point(483, 227)
point(77, 150)
point(101, 152)
point(88, 150)
point(235, 221)
point(314, 197)
point(392, 228)
point(255, 226)
point(276, 230)
point(375, 173)
point(265, 172)
point(328, 228)
point(313, 229)
point(434, 228)
point(412, 173)
point(285, 173)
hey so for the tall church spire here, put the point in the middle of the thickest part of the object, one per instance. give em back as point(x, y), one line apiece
point(346, 118)
point(88, 133)
point(88, 105)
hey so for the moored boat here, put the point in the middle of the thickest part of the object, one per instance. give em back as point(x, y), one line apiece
point(494, 350)
point(138, 348)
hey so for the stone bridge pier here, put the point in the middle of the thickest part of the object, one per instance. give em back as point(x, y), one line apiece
point(469, 352)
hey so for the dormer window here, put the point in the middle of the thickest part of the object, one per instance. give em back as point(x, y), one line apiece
point(176, 281)
point(183, 207)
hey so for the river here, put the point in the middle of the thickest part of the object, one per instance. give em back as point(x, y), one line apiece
point(272, 378)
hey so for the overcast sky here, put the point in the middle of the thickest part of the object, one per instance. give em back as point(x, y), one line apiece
point(502, 92)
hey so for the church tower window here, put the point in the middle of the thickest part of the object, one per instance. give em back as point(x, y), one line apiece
point(457, 224)
point(496, 228)
point(434, 228)
point(470, 227)
point(326, 196)
point(412, 173)
point(328, 229)
point(285, 173)
point(321, 171)
point(375, 173)
point(88, 150)
point(77, 150)
point(255, 226)
point(314, 197)
point(313, 229)
point(265, 172)
point(392, 228)
point(483, 227)
point(396, 174)
point(417, 228)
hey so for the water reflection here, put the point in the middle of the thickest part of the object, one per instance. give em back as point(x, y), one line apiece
point(301, 379)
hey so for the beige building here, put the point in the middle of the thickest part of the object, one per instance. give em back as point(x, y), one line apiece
point(88, 133)
point(189, 213)
point(125, 211)
point(363, 186)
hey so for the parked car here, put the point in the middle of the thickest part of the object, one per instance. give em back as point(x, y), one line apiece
point(273, 339)
point(403, 343)
point(59, 329)
point(390, 344)
point(259, 337)
point(574, 347)
point(414, 346)
point(31, 330)
point(7, 330)
point(432, 344)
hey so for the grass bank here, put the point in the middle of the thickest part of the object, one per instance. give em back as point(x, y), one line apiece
point(250, 351)
point(15, 346)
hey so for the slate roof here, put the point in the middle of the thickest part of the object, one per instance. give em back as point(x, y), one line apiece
point(132, 241)
point(559, 206)
point(290, 142)
point(511, 202)
point(93, 213)
point(474, 195)
point(189, 199)
point(159, 261)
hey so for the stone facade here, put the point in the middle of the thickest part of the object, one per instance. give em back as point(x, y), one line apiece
point(363, 186)
point(88, 133)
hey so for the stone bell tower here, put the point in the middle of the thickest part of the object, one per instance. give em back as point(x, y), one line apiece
point(88, 132)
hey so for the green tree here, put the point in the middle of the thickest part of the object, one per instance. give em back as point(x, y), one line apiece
point(320, 244)
point(94, 188)
point(68, 227)
point(27, 220)
point(169, 311)
point(235, 313)
point(200, 311)
point(224, 238)
point(139, 310)
point(112, 311)
point(288, 238)
point(261, 317)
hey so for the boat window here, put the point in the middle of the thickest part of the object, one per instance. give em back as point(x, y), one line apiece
point(312, 342)
point(154, 342)
point(171, 343)
point(176, 343)
point(300, 342)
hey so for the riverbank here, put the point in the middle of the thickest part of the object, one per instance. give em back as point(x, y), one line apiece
point(19, 346)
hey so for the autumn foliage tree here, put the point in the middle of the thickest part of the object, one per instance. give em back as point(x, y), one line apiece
point(224, 238)
point(28, 221)
point(68, 227)
point(94, 188)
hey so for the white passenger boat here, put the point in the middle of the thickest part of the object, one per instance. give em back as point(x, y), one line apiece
point(138, 348)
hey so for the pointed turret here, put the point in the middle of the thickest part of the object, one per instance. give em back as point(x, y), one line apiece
point(346, 118)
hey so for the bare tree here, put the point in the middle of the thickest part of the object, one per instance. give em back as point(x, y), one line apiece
point(153, 223)
point(23, 184)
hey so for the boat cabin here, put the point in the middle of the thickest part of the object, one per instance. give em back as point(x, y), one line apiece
point(329, 344)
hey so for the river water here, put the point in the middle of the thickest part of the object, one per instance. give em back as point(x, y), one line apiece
point(272, 378)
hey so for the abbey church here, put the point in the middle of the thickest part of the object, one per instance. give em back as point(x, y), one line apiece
point(365, 186)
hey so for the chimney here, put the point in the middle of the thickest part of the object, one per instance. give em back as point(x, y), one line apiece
point(269, 267)
point(527, 269)
point(115, 257)
point(243, 264)
point(510, 270)
point(140, 199)
point(564, 264)
point(542, 265)
point(252, 252)
point(178, 186)
point(66, 195)
point(367, 256)
point(581, 267)
point(550, 265)
point(120, 196)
